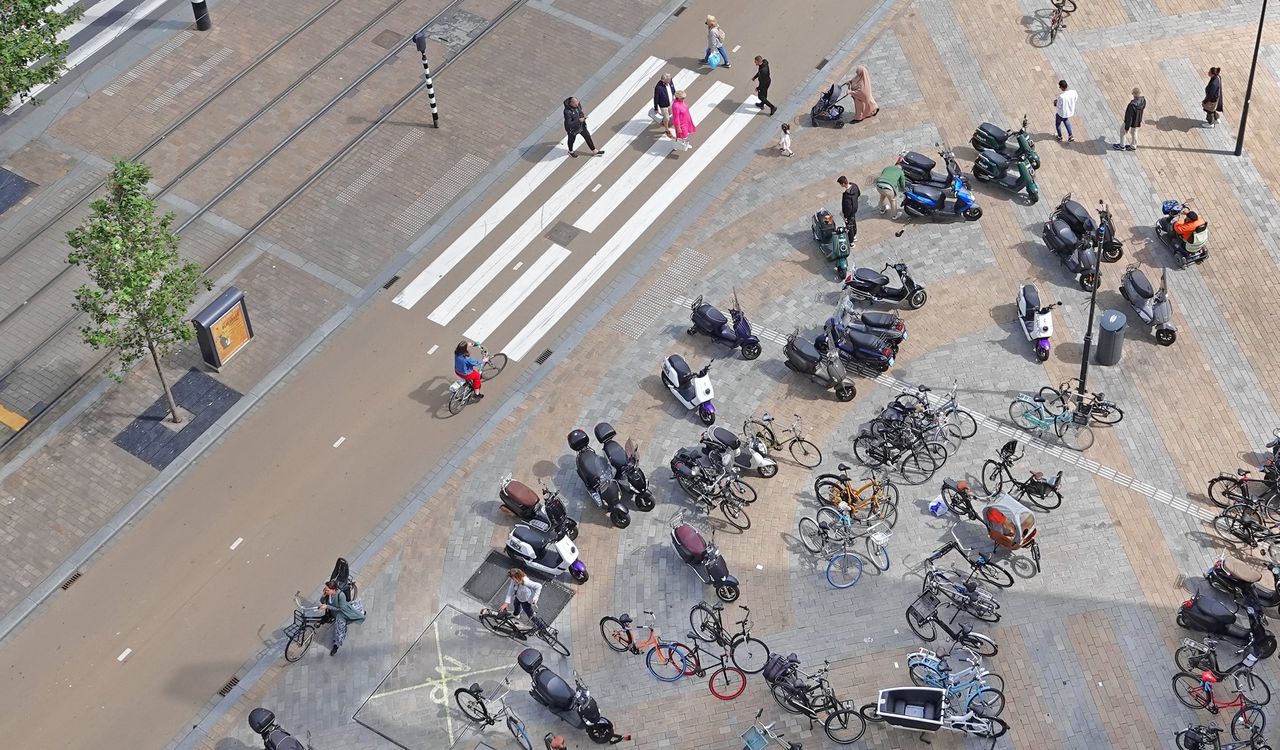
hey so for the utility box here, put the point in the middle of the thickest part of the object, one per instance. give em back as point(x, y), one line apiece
point(1111, 337)
point(223, 328)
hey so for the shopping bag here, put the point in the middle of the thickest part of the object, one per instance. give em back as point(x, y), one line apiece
point(655, 115)
point(715, 60)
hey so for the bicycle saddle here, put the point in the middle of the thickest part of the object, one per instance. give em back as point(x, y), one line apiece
point(844, 467)
point(1037, 474)
point(1038, 399)
point(624, 618)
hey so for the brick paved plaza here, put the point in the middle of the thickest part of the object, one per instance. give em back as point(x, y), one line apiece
point(1085, 645)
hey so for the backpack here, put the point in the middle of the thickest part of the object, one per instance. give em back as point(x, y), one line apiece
point(777, 667)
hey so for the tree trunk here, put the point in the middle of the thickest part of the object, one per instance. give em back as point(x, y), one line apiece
point(168, 394)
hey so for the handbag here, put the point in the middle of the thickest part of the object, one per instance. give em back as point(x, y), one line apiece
point(715, 60)
point(1210, 105)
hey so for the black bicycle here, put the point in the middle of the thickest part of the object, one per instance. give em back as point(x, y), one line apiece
point(982, 566)
point(811, 695)
point(508, 624)
point(748, 654)
point(1244, 523)
point(997, 473)
point(1100, 409)
point(923, 619)
point(727, 681)
point(476, 707)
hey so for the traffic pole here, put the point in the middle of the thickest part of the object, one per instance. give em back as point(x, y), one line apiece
point(1248, 91)
point(200, 9)
point(420, 41)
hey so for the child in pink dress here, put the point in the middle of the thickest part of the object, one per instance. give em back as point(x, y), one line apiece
point(682, 122)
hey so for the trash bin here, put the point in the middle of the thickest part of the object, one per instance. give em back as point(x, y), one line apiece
point(1110, 337)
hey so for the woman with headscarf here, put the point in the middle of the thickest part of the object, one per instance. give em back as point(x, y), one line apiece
point(864, 104)
point(1212, 103)
point(682, 121)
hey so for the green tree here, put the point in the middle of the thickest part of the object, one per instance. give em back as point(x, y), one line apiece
point(141, 290)
point(30, 53)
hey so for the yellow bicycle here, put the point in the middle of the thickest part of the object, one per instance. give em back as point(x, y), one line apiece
point(874, 499)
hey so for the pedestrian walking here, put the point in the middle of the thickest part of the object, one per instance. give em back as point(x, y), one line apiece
point(335, 603)
point(663, 95)
point(889, 184)
point(849, 205)
point(682, 121)
point(763, 80)
point(1212, 103)
point(1132, 121)
point(522, 593)
point(715, 42)
point(1064, 107)
point(784, 140)
point(864, 104)
point(575, 124)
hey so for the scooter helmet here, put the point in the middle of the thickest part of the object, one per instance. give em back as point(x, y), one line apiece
point(1170, 207)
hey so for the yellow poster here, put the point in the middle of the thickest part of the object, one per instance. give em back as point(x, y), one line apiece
point(230, 332)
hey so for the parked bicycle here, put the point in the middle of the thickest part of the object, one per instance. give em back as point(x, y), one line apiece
point(460, 391)
point(969, 689)
point(1099, 407)
point(983, 566)
point(948, 410)
point(923, 619)
point(913, 457)
point(487, 712)
point(1243, 488)
point(759, 734)
point(1245, 524)
point(508, 625)
point(811, 696)
point(1205, 737)
point(834, 528)
point(962, 592)
point(1071, 427)
point(997, 473)
point(803, 451)
point(663, 659)
point(874, 499)
point(1197, 691)
point(925, 709)
point(1197, 656)
point(747, 652)
point(714, 485)
point(726, 680)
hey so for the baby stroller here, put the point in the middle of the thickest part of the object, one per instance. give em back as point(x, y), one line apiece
point(827, 109)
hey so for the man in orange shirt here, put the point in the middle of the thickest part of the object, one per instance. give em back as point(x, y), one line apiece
point(1187, 226)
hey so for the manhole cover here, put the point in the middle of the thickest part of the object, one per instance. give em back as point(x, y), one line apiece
point(489, 585)
point(387, 39)
point(563, 233)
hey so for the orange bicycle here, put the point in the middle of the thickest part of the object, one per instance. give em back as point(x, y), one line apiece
point(666, 659)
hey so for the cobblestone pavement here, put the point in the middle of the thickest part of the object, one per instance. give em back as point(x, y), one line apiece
point(1086, 644)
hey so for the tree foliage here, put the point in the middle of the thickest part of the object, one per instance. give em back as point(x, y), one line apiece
point(30, 53)
point(140, 289)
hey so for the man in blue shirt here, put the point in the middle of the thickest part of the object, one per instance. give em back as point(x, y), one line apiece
point(465, 367)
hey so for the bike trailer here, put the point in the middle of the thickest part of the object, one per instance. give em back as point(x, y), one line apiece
point(918, 708)
point(1009, 523)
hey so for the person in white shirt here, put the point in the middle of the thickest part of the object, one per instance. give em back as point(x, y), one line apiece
point(523, 592)
point(1064, 107)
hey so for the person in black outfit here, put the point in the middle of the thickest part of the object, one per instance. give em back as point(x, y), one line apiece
point(1213, 97)
point(762, 84)
point(849, 205)
point(575, 124)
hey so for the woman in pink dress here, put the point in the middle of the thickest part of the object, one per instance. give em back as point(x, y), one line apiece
point(682, 122)
point(864, 104)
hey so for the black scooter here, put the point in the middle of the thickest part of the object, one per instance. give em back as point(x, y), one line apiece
point(1233, 577)
point(574, 705)
point(864, 283)
point(823, 368)
point(888, 325)
point(1112, 246)
point(704, 557)
point(1076, 253)
point(1210, 611)
point(709, 321)
point(859, 348)
point(599, 479)
point(1101, 232)
point(521, 501)
point(626, 466)
point(263, 723)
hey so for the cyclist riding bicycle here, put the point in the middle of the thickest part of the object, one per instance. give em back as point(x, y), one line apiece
point(465, 367)
point(523, 591)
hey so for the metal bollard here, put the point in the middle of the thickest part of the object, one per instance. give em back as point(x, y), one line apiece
point(420, 41)
point(201, 10)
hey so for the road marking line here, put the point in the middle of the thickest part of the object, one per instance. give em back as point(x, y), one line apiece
point(581, 283)
point(12, 419)
point(596, 189)
point(648, 161)
point(517, 293)
point(432, 350)
point(237, 542)
point(124, 654)
point(516, 267)
point(547, 214)
point(524, 187)
point(735, 49)
point(341, 440)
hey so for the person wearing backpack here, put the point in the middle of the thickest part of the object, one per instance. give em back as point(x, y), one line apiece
point(715, 42)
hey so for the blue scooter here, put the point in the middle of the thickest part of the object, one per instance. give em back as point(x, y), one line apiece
point(709, 321)
point(928, 201)
point(856, 347)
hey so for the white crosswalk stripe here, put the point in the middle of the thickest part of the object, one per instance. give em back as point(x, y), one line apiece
point(517, 293)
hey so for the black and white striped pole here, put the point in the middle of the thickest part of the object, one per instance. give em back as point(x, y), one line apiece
point(201, 10)
point(420, 41)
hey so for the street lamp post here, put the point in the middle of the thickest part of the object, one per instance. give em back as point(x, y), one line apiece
point(420, 41)
point(1248, 91)
point(1088, 332)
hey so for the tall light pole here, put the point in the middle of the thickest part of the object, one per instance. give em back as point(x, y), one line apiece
point(420, 41)
point(1088, 332)
point(1248, 91)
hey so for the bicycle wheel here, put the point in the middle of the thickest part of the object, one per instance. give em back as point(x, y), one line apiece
point(617, 636)
point(1054, 401)
point(516, 727)
point(460, 398)
point(550, 637)
point(1255, 689)
point(949, 436)
point(1188, 690)
point(298, 643)
point(1108, 414)
point(811, 536)
point(1192, 660)
point(749, 654)
point(705, 623)
point(878, 554)
point(886, 510)
point(744, 492)
point(735, 514)
point(917, 466)
point(494, 366)
point(868, 450)
point(831, 517)
point(1226, 491)
point(1077, 437)
point(986, 701)
point(925, 675)
point(805, 453)
point(990, 727)
point(1025, 415)
point(992, 476)
point(922, 626)
point(939, 451)
point(471, 705)
point(979, 644)
point(844, 726)
point(665, 662)
point(755, 427)
point(1249, 722)
point(870, 712)
point(1237, 524)
point(982, 609)
point(1067, 6)
point(829, 489)
point(964, 422)
point(784, 695)
point(727, 683)
point(844, 569)
point(993, 574)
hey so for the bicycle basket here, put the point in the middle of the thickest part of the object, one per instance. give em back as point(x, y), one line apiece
point(925, 606)
point(1198, 739)
point(755, 739)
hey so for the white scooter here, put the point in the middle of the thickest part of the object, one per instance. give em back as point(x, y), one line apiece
point(1035, 319)
point(693, 389)
point(544, 546)
point(719, 444)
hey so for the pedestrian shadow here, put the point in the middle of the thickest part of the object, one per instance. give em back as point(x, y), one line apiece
point(533, 154)
point(231, 743)
point(1174, 123)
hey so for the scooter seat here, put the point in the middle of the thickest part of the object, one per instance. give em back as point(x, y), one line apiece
point(726, 438)
point(712, 316)
point(680, 366)
point(554, 689)
point(1062, 232)
point(864, 340)
point(805, 350)
point(692, 541)
point(928, 192)
point(868, 276)
point(880, 320)
point(999, 164)
point(1077, 216)
point(918, 161)
point(522, 494)
point(1032, 297)
point(614, 452)
point(1138, 280)
point(531, 537)
point(1240, 571)
point(994, 132)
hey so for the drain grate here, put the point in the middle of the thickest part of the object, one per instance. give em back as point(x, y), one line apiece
point(563, 233)
point(71, 580)
point(391, 281)
point(489, 585)
point(823, 63)
point(680, 10)
point(542, 358)
point(227, 688)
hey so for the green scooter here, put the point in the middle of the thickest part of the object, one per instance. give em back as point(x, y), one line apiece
point(995, 169)
point(1010, 144)
point(833, 240)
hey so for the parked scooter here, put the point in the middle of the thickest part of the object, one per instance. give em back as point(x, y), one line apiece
point(886, 324)
point(832, 239)
point(859, 348)
point(918, 169)
point(1036, 319)
point(1112, 246)
point(520, 500)
point(704, 557)
point(1210, 611)
point(598, 477)
point(1102, 232)
point(997, 139)
point(1241, 582)
point(574, 705)
point(927, 201)
point(626, 466)
point(1151, 305)
point(995, 169)
point(1076, 253)
point(709, 321)
point(873, 286)
point(544, 546)
point(692, 389)
point(1186, 253)
point(263, 723)
point(823, 368)
point(727, 448)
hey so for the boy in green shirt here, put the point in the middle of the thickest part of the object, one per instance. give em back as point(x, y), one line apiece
point(891, 182)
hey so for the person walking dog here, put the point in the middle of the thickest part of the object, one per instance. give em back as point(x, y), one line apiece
point(1132, 121)
point(663, 95)
point(575, 124)
point(1212, 103)
point(1064, 107)
point(715, 42)
point(763, 80)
